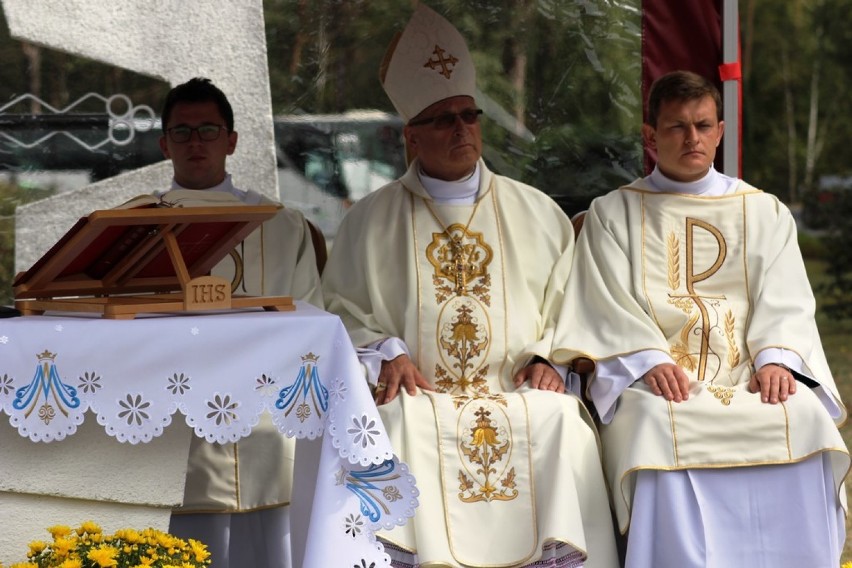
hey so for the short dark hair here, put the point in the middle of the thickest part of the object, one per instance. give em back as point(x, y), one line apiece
point(680, 86)
point(198, 90)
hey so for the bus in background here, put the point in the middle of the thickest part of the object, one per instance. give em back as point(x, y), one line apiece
point(326, 162)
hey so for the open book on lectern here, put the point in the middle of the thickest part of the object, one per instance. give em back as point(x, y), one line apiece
point(147, 255)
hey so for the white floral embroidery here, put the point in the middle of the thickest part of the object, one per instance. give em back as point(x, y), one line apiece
point(90, 383)
point(223, 409)
point(267, 385)
point(134, 409)
point(364, 431)
point(6, 385)
point(338, 390)
point(194, 331)
point(354, 524)
point(58, 327)
point(4, 340)
point(178, 384)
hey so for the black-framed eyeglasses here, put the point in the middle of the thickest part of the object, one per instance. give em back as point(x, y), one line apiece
point(206, 132)
point(448, 119)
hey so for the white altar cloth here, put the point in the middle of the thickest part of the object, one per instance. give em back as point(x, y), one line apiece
point(220, 371)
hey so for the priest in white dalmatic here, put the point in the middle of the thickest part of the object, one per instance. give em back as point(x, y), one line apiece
point(449, 280)
point(719, 412)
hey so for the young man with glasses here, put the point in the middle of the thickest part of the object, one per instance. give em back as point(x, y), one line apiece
point(240, 512)
point(449, 280)
point(717, 405)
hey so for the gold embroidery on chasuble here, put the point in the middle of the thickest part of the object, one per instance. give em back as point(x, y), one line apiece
point(463, 298)
point(702, 268)
point(462, 286)
point(485, 441)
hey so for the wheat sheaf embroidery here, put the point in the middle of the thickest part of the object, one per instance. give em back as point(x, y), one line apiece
point(674, 261)
point(733, 352)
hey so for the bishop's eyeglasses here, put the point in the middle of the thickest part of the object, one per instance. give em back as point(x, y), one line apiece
point(206, 132)
point(448, 119)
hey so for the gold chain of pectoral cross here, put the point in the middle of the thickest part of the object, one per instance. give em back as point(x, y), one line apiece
point(457, 247)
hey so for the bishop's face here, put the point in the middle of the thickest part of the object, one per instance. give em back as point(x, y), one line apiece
point(446, 152)
point(685, 137)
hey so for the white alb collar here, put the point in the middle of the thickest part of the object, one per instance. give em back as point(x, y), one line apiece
point(711, 185)
point(226, 186)
point(461, 191)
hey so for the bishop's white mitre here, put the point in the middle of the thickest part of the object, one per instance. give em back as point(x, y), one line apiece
point(428, 62)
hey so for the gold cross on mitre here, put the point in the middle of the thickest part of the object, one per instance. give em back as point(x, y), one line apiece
point(441, 61)
point(427, 62)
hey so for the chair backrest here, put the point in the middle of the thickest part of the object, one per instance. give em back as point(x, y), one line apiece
point(320, 249)
point(577, 222)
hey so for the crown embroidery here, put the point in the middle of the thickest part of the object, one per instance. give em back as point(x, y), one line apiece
point(310, 358)
point(46, 355)
point(440, 61)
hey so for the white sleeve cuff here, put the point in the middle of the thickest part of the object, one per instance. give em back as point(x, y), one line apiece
point(613, 376)
point(373, 355)
point(779, 356)
point(791, 360)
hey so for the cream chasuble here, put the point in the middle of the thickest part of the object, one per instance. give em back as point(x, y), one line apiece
point(276, 259)
point(473, 291)
point(712, 281)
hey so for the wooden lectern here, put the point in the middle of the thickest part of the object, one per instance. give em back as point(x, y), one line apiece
point(121, 262)
point(117, 263)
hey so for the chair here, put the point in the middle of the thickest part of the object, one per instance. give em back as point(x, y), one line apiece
point(320, 249)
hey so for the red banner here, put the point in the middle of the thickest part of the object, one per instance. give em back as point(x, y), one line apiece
point(676, 35)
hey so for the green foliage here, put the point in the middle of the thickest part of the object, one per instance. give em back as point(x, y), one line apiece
point(836, 287)
point(560, 79)
point(791, 51)
point(812, 246)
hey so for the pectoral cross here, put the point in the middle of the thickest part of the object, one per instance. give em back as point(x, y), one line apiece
point(460, 275)
point(692, 279)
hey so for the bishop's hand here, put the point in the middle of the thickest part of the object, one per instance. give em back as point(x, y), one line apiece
point(397, 373)
point(541, 376)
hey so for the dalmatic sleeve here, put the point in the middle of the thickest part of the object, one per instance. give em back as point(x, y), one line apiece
point(601, 317)
point(345, 282)
point(783, 304)
point(551, 306)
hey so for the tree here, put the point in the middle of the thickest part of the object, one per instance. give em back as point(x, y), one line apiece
point(560, 79)
point(795, 61)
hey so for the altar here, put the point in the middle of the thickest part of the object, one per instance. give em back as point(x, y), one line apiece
point(100, 413)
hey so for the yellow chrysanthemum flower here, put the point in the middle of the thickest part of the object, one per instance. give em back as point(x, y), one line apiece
point(63, 546)
point(59, 531)
point(104, 555)
point(89, 527)
point(126, 548)
point(199, 550)
point(36, 547)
